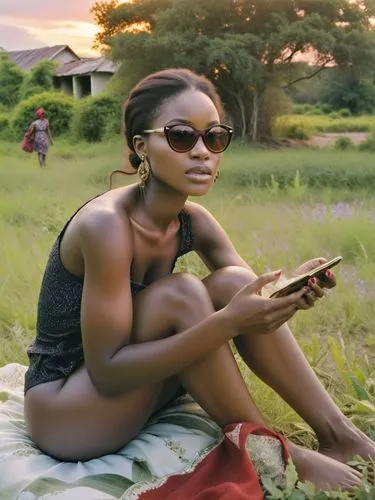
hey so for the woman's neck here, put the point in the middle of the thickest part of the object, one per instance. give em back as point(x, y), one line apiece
point(158, 204)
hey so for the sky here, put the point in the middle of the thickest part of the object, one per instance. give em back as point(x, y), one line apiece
point(29, 24)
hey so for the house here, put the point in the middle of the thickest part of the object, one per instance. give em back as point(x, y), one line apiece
point(74, 75)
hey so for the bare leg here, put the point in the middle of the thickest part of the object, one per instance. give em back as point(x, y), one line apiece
point(40, 158)
point(278, 360)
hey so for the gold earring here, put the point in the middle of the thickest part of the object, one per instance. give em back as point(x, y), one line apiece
point(144, 171)
point(217, 176)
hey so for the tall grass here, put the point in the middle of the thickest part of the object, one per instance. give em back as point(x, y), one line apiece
point(273, 225)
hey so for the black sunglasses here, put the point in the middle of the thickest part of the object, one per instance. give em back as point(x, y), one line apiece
point(182, 138)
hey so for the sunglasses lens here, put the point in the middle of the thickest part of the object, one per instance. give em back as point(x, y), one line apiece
point(181, 138)
point(217, 139)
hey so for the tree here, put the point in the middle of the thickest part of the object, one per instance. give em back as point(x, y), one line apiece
point(348, 89)
point(38, 80)
point(11, 78)
point(245, 46)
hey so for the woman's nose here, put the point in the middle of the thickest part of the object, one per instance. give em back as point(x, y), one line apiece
point(200, 150)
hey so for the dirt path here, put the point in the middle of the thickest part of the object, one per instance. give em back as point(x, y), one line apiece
point(325, 140)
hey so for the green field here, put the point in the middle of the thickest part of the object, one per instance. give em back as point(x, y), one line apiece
point(274, 224)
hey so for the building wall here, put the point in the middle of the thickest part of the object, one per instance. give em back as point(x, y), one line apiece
point(64, 57)
point(98, 82)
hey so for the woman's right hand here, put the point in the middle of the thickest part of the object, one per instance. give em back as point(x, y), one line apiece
point(250, 313)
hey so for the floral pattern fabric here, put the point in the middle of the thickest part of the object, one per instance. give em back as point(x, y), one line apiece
point(176, 439)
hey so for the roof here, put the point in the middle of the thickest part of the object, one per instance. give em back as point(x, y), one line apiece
point(86, 66)
point(26, 59)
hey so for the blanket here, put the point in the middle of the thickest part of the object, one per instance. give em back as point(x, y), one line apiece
point(181, 454)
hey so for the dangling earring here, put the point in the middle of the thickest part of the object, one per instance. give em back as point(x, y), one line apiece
point(144, 170)
point(217, 175)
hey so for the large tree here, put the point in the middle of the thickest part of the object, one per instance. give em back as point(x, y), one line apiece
point(247, 47)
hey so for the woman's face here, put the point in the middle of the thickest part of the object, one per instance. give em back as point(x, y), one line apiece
point(191, 173)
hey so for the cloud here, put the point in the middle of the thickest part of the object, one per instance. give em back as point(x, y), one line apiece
point(16, 38)
point(70, 10)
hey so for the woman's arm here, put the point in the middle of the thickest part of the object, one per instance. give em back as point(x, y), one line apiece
point(212, 243)
point(113, 363)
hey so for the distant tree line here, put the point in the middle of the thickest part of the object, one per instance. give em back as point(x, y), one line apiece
point(249, 48)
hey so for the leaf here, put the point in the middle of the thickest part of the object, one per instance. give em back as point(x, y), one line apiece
point(291, 476)
point(271, 488)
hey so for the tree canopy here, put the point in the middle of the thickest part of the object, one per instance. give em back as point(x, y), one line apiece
point(246, 47)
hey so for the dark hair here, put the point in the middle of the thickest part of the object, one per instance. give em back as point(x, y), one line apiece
point(146, 98)
point(149, 94)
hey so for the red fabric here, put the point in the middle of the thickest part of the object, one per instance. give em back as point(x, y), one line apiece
point(226, 473)
point(27, 144)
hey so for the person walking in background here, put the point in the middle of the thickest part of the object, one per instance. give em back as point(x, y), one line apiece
point(42, 136)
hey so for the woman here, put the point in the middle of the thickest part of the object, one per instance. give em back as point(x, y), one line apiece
point(42, 136)
point(118, 334)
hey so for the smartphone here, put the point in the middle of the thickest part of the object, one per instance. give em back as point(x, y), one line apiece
point(300, 281)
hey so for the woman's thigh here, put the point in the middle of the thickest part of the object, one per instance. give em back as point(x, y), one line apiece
point(70, 420)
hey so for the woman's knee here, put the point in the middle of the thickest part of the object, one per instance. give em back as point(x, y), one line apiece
point(224, 283)
point(187, 294)
point(170, 305)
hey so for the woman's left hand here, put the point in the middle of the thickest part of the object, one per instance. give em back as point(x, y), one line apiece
point(326, 280)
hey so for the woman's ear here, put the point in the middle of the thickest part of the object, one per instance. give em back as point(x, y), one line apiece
point(139, 145)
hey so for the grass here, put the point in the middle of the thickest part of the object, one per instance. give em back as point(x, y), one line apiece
point(271, 227)
point(311, 124)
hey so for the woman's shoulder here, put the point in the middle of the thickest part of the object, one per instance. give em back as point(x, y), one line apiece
point(196, 211)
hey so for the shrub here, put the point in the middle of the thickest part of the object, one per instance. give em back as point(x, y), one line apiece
point(369, 143)
point(315, 111)
point(97, 118)
point(326, 108)
point(344, 112)
point(343, 143)
point(38, 80)
point(59, 110)
point(297, 131)
point(11, 78)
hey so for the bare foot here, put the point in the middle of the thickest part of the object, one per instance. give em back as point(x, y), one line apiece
point(348, 442)
point(322, 471)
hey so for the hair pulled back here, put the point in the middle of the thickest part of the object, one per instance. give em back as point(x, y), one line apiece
point(149, 94)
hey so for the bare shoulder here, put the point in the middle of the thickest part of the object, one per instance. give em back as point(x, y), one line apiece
point(201, 217)
point(104, 224)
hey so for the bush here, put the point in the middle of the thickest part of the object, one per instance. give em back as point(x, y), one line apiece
point(59, 110)
point(368, 144)
point(97, 118)
point(38, 80)
point(344, 112)
point(297, 131)
point(326, 108)
point(11, 78)
point(344, 143)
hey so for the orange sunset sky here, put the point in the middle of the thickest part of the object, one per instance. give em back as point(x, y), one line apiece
point(28, 24)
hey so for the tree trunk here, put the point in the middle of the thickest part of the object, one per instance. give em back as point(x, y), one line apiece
point(241, 106)
point(254, 117)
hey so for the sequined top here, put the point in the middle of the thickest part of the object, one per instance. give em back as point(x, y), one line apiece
point(57, 349)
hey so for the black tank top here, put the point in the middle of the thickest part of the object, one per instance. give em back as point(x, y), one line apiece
point(57, 349)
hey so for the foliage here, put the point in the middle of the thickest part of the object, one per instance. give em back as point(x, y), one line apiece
point(343, 143)
point(245, 47)
point(39, 79)
point(369, 143)
point(96, 118)
point(11, 78)
point(328, 123)
point(58, 108)
point(350, 90)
